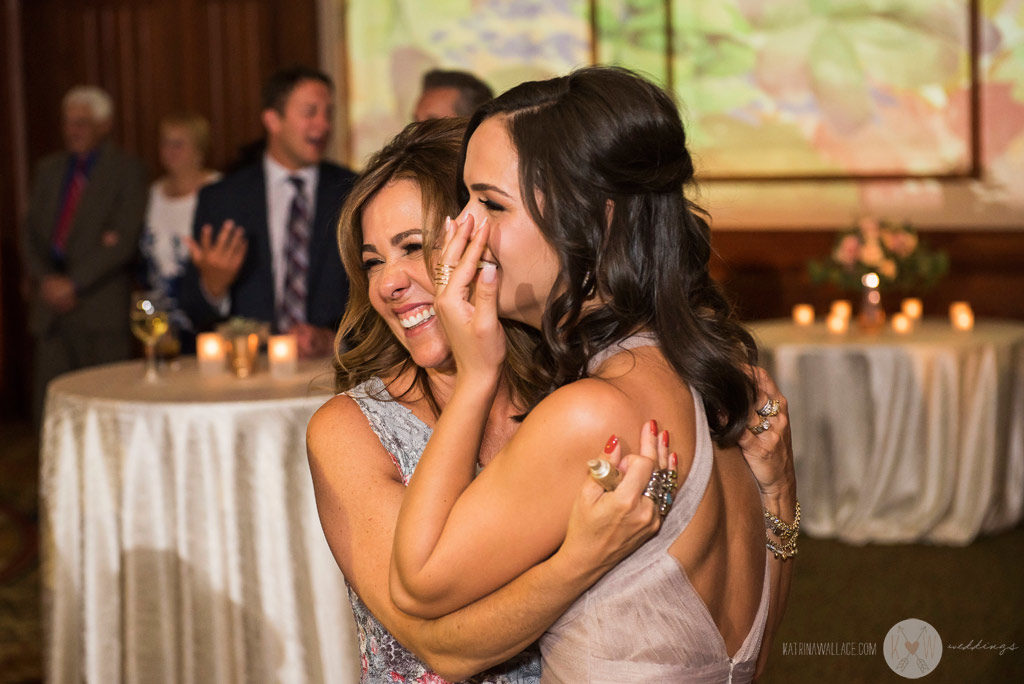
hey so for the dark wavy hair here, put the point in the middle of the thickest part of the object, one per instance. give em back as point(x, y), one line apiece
point(426, 153)
point(604, 150)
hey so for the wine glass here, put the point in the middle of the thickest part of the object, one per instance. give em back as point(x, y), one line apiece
point(149, 322)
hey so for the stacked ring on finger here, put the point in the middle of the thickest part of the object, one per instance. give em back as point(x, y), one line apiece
point(770, 408)
point(661, 489)
point(760, 427)
point(441, 274)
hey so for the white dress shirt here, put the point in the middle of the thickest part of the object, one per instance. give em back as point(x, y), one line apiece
point(280, 192)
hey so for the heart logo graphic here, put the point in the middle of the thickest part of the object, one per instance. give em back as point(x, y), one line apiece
point(912, 647)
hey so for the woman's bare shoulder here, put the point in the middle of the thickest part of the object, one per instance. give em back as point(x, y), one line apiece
point(337, 426)
point(587, 404)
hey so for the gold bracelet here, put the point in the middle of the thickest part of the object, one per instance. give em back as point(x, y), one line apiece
point(781, 529)
point(786, 532)
point(784, 551)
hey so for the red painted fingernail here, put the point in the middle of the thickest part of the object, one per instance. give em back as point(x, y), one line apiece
point(654, 427)
point(673, 461)
point(613, 442)
point(664, 438)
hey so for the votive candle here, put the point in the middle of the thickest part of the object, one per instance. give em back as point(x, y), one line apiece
point(803, 314)
point(837, 323)
point(956, 307)
point(913, 308)
point(283, 354)
point(210, 354)
point(963, 318)
point(842, 308)
point(902, 323)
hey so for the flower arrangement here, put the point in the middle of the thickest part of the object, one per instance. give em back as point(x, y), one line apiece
point(893, 251)
point(239, 326)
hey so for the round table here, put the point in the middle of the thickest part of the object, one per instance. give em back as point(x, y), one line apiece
point(904, 438)
point(180, 538)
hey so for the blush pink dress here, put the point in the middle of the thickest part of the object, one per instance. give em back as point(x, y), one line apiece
point(644, 621)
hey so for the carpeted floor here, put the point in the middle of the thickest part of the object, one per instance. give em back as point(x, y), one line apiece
point(20, 628)
point(843, 602)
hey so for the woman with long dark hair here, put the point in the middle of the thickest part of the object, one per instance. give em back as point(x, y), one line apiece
point(394, 377)
point(577, 225)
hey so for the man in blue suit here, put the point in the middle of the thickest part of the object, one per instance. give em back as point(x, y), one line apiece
point(275, 257)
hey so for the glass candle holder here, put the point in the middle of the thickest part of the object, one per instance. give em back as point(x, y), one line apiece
point(210, 354)
point(282, 355)
point(242, 352)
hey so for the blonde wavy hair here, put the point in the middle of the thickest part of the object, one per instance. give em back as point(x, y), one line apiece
point(426, 153)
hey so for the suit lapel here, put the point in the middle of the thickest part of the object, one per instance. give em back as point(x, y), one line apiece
point(258, 231)
point(323, 226)
point(52, 184)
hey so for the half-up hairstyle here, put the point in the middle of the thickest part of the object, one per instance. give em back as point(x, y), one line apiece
point(426, 153)
point(604, 150)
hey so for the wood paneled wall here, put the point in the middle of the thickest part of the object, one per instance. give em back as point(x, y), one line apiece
point(158, 56)
point(766, 271)
point(154, 57)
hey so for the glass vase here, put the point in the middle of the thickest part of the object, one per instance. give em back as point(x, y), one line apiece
point(871, 318)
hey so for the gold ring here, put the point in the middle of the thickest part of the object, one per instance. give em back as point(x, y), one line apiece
point(770, 408)
point(441, 274)
point(760, 427)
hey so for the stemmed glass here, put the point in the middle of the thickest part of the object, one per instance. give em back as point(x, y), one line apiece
point(149, 322)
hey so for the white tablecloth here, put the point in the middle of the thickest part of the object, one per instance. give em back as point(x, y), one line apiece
point(904, 438)
point(180, 536)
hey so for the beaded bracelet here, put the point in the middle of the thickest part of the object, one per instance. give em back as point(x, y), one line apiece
point(788, 533)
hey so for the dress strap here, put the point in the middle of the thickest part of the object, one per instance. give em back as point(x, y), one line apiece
point(400, 431)
point(691, 490)
point(642, 339)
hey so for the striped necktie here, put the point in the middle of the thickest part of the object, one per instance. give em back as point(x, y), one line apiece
point(292, 307)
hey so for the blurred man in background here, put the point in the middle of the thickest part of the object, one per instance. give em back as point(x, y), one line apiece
point(80, 240)
point(264, 243)
point(450, 93)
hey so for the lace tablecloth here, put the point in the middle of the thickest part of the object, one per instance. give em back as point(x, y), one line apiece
point(904, 438)
point(180, 538)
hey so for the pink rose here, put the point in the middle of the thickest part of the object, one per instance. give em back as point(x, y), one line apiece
point(900, 243)
point(847, 250)
point(871, 253)
point(869, 228)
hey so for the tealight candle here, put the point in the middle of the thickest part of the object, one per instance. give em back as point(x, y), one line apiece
point(963, 318)
point(902, 323)
point(913, 308)
point(210, 354)
point(837, 323)
point(803, 314)
point(283, 353)
point(842, 308)
point(956, 307)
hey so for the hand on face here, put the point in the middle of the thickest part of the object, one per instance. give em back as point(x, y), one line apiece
point(218, 261)
point(468, 304)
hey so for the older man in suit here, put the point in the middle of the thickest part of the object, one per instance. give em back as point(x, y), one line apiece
point(79, 240)
point(275, 256)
